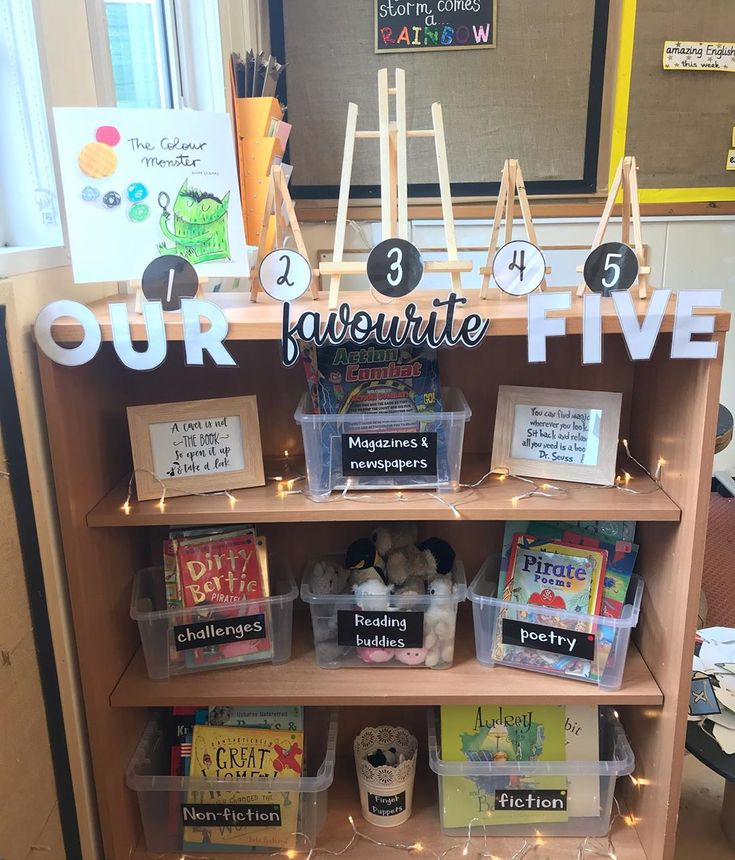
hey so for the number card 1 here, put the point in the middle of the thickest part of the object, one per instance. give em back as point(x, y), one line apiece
point(199, 446)
point(557, 433)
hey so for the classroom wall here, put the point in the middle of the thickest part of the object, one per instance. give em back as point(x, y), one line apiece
point(685, 253)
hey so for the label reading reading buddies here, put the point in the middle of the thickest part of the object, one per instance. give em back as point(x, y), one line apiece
point(204, 633)
point(231, 815)
point(363, 629)
point(393, 804)
point(375, 455)
point(573, 643)
point(525, 800)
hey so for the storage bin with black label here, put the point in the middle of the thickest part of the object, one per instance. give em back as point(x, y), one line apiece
point(191, 814)
point(579, 805)
point(386, 630)
point(213, 636)
point(588, 648)
point(384, 450)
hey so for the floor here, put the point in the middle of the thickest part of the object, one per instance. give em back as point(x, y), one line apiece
point(700, 836)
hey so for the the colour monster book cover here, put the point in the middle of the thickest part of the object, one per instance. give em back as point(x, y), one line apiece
point(248, 818)
point(499, 735)
point(217, 571)
point(366, 378)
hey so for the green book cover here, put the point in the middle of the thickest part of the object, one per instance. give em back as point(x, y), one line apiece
point(500, 733)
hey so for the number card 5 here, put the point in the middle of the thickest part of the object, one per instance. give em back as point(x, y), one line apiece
point(556, 433)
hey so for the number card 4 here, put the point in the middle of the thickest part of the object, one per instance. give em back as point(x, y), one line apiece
point(198, 446)
point(556, 433)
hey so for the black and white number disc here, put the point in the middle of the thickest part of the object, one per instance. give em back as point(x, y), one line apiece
point(168, 280)
point(395, 268)
point(610, 267)
point(519, 267)
point(285, 274)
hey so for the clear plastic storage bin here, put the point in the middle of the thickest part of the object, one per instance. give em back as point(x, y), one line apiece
point(326, 437)
point(161, 798)
point(229, 632)
point(588, 796)
point(584, 647)
point(424, 624)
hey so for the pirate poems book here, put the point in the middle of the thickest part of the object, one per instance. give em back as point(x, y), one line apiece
point(249, 818)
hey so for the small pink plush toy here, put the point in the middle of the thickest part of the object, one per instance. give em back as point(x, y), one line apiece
point(411, 656)
point(375, 655)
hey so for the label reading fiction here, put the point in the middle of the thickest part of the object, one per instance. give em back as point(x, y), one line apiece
point(219, 632)
point(557, 640)
point(393, 804)
point(523, 800)
point(434, 25)
point(359, 628)
point(375, 455)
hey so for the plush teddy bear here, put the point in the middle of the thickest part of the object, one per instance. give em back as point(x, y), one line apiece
point(329, 578)
point(388, 540)
point(410, 562)
point(442, 556)
point(440, 621)
point(373, 594)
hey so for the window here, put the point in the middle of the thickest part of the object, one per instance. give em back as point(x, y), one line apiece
point(166, 53)
point(29, 212)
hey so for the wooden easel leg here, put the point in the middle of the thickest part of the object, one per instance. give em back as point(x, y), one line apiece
point(386, 190)
point(402, 154)
point(497, 219)
point(293, 222)
point(446, 193)
point(526, 212)
point(605, 218)
point(393, 182)
point(344, 199)
point(512, 189)
point(625, 213)
point(637, 229)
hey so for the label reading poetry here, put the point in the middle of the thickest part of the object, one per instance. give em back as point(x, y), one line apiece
point(557, 640)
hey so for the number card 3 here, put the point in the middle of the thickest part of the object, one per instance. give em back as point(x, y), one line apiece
point(556, 433)
point(199, 446)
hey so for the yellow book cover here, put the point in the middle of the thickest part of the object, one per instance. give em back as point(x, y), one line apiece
point(239, 820)
point(498, 734)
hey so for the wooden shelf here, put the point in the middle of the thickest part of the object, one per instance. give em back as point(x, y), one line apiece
point(423, 826)
point(263, 321)
point(301, 681)
point(491, 501)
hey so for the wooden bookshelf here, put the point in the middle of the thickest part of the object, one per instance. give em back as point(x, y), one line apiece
point(301, 681)
point(423, 827)
point(490, 501)
point(669, 410)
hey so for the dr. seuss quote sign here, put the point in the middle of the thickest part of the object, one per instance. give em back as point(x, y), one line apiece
point(434, 25)
point(139, 184)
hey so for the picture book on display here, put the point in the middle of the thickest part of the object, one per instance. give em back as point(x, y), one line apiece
point(216, 567)
point(242, 819)
point(350, 377)
point(500, 734)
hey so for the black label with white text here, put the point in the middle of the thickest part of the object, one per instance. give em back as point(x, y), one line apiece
point(231, 814)
point(393, 804)
point(557, 640)
point(375, 455)
point(219, 632)
point(365, 629)
point(530, 800)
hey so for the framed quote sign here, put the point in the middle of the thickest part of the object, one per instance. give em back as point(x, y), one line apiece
point(557, 433)
point(198, 446)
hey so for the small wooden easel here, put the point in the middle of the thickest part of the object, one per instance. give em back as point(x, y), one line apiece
point(511, 183)
point(279, 198)
point(626, 176)
point(393, 136)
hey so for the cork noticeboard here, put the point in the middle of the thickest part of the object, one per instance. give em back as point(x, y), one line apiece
point(536, 97)
point(677, 123)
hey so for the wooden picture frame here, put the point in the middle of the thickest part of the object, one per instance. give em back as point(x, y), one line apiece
point(555, 438)
point(194, 466)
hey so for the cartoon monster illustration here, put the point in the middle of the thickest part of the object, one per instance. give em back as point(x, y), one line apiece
point(199, 231)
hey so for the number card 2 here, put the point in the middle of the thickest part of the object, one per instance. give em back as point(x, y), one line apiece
point(557, 433)
point(198, 446)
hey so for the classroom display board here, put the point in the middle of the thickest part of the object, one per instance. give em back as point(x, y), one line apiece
point(678, 122)
point(537, 95)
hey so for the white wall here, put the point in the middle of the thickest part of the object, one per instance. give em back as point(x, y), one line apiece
point(684, 253)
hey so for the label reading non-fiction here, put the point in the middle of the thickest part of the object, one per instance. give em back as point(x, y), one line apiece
point(231, 814)
point(219, 632)
point(376, 455)
point(393, 804)
point(530, 800)
point(573, 643)
point(377, 629)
